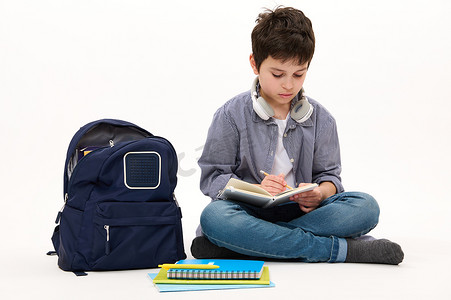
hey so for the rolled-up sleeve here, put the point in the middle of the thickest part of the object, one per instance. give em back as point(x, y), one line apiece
point(219, 157)
point(326, 159)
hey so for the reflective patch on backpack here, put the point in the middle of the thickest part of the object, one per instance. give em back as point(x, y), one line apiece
point(142, 170)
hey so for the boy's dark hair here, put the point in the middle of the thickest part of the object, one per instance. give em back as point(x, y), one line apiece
point(285, 33)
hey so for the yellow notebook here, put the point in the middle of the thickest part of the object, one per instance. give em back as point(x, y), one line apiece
point(163, 278)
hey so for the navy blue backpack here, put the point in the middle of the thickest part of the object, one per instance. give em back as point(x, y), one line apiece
point(120, 211)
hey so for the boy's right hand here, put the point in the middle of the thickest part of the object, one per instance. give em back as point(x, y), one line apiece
point(274, 184)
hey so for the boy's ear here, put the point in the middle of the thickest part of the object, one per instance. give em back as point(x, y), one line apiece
point(253, 64)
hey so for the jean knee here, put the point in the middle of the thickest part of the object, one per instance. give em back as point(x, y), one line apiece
point(212, 215)
point(370, 208)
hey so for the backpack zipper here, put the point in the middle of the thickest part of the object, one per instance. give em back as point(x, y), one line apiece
point(107, 242)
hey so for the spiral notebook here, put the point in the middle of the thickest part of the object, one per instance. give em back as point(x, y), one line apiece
point(228, 269)
point(210, 285)
point(162, 278)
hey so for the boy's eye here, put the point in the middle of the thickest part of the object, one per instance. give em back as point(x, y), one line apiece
point(277, 75)
point(298, 75)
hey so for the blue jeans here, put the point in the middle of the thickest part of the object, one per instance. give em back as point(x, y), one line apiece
point(285, 232)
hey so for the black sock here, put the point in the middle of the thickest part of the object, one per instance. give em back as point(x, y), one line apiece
point(203, 248)
point(376, 251)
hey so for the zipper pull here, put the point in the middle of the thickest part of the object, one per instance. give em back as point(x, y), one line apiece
point(107, 242)
point(111, 143)
point(58, 217)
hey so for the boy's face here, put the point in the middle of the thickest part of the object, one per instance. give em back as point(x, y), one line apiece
point(279, 81)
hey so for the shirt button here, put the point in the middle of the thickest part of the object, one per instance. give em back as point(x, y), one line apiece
point(285, 135)
point(292, 160)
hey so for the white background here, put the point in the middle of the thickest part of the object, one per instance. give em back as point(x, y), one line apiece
point(382, 68)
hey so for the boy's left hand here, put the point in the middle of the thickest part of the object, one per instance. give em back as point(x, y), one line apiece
point(310, 200)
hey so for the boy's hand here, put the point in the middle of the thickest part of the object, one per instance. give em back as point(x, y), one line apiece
point(309, 200)
point(274, 184)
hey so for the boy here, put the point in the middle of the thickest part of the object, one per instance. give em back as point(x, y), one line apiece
point(276, 129)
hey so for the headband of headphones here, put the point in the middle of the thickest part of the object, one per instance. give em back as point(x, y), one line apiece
point(300, 112)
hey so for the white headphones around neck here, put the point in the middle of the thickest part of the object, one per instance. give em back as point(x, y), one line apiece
point(300, 112)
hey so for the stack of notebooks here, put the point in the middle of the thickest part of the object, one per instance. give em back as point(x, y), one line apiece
point(211, 274)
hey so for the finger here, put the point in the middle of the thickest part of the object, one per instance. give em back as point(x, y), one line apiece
point(306, 194)
point(273, 191)
point(310, 194)
point(272, 187)
point(305, 203)
point(279, 179)
point(309, 202)
point(306, 209)
point(294, 197)
point(272, 184)
point(308, 197)
point(302, 198)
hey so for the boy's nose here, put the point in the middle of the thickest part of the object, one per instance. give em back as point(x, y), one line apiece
point(287, 84)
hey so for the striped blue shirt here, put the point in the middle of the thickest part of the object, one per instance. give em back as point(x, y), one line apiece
point(240, 144)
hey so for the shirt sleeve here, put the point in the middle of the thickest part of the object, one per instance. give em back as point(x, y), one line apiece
point(326, 159)
point(219, 157)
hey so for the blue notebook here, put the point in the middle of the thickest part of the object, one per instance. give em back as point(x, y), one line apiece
point(162, 287)
point(228, 269)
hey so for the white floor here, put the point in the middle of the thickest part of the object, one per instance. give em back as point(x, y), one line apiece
point(424, 274)
point(382, 68)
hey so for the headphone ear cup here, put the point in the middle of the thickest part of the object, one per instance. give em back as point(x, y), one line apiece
point(302, 110)
point(262, 108)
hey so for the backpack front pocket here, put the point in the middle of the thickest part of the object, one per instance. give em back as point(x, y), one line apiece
point(131, 235)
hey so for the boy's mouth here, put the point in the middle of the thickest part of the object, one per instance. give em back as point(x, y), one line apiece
point(285, 95)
